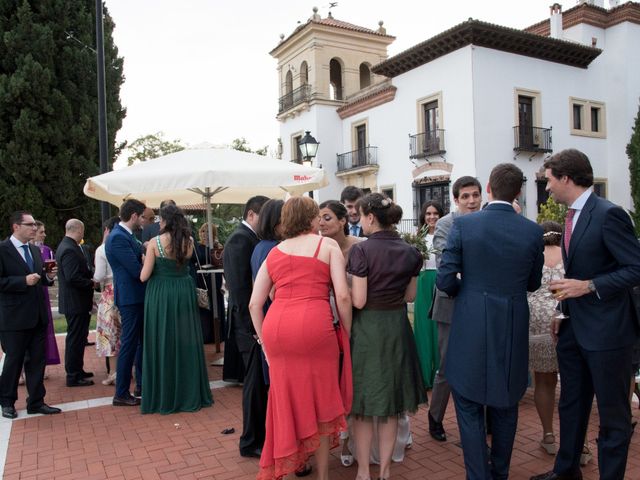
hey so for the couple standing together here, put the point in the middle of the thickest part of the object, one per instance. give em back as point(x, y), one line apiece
point(175, 375)
point(491, 259)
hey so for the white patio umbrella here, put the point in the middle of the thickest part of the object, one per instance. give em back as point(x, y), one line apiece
point(200, 176)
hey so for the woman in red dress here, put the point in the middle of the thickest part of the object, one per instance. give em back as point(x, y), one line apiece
point(307, 406)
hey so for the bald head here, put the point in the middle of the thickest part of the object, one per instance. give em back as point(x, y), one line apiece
point(74, 228)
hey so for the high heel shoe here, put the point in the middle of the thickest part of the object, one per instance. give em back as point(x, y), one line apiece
point(549, 447)
point(110, 380)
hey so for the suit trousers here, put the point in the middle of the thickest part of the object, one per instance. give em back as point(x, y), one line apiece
point(132, 320)
point(77, 331)
point(254, 395)
point(583, 373)
point(15, 344)
point(471, 422)
point(441, 390)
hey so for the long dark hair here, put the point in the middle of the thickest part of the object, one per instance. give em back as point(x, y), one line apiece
point(176, 225)
point(423, 211)
point(339, 210)
point(269, 219)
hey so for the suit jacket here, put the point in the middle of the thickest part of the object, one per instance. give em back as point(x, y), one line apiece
point(21, 306)
point(442, 307)
point(499, 255)
point(237, 273)
point(604, 249)
point(74, 278)
point(150, 231)
point(124, 254)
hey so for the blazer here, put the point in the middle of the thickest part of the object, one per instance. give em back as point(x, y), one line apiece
point(604, 249)
point(442, 306)
point(237, 273)
point(499, 255)
point(124, 254)
point(74, 278)
point(22, 307)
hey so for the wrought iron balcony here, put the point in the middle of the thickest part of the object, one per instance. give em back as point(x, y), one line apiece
point(362, 157)
point(532, 139)
point(427, 143)
point(295, 97)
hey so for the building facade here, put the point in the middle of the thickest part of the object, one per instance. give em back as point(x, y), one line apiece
point(463, 101)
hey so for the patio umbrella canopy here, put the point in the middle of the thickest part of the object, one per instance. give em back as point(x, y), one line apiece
point(188, 176)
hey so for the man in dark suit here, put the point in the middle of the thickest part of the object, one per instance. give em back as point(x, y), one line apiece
point(75, 301)
point(151, 228)
point(349, 198)
point(23, 316)
point(124, 253)
point(499, 256)
point(467, 195)
point(602, 263)
point(237, 273)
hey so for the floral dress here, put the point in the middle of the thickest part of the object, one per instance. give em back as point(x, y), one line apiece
point(542, 309)
point(108, 325)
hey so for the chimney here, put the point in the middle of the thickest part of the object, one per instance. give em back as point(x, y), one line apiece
point(555, 22)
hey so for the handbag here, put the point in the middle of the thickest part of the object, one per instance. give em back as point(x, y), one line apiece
point(216, 255)
point(202, 294)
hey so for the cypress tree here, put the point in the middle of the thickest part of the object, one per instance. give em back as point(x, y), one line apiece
point(633, 152)
point(49, 110)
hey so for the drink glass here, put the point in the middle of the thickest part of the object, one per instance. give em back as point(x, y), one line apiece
point(49, 265)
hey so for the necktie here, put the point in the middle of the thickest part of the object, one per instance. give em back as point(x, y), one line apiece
point(28, 258)
point(354, 230)
point(568, 228)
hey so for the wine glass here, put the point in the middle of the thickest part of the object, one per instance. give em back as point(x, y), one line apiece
point(556, 293)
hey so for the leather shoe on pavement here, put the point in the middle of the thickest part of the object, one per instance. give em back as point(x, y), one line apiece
point(79, 383)
point(86, 374)
point(9, 412)
point(255, 453)
point(436, 430)
point(137, 392)
point(126, 401)
point(554, 476)
point(44, 409)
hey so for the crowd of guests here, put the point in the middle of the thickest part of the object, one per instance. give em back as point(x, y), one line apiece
point(318, 330)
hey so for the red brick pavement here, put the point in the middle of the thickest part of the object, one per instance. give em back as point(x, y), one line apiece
point(120, 443)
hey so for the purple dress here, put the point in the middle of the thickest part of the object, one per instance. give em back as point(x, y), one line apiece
point(52, 355)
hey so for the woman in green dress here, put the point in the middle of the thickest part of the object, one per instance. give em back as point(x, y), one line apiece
point(424, 328)
point(174, 372)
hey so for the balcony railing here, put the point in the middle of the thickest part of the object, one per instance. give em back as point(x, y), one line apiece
point(427, 143)
point(358, 158)
point(531, 139)
point(295, 97)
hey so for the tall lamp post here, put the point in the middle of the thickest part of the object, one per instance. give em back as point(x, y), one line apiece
point(102, 102)
point(308, 149)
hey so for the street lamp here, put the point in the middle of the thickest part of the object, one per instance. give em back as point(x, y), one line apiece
point(308, 148)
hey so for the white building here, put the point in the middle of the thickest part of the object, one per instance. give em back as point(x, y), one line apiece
point(463, 101)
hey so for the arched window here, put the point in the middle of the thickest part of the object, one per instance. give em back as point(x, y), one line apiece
point(288, 83)
point(335, 80)
point(304, 73)
point(365, 75)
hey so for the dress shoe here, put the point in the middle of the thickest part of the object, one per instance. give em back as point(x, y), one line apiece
point(137, 392)
point(43, 409)
point(436, 430)
point(89, 344)
point(79, 383)
point(126, 401)
point(86, 374)
point(554, 476)
point(9, 412)
point(255, 453)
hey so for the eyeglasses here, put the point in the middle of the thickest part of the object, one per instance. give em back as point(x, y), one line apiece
point(32, 224)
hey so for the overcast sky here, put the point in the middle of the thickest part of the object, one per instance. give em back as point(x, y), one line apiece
point(200, 70)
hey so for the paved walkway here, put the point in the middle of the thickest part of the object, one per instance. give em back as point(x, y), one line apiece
point(93, 440)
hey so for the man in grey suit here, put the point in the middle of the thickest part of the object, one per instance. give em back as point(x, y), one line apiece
point(467, 195)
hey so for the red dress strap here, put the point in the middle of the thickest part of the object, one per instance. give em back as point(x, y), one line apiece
point(315, 255)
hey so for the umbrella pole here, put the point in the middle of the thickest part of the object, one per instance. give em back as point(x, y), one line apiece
point(214, 296)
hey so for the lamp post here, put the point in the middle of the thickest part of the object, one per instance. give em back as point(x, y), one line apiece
point(102, 102)
point(308, 148)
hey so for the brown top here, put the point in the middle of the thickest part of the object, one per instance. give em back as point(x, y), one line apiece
point(388, 262)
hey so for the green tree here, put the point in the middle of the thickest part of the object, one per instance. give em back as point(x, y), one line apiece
point(633, 152)
point(49, 110)
point(552, 211)
point(152, 146)
point(242, 145)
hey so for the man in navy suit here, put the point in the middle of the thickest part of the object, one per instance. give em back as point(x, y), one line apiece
point(23, 316)
point(499, 256)
point(124, 253)
point(602, 262)
point(349, 198)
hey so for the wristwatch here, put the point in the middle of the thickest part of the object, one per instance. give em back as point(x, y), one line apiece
point(591, 286)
